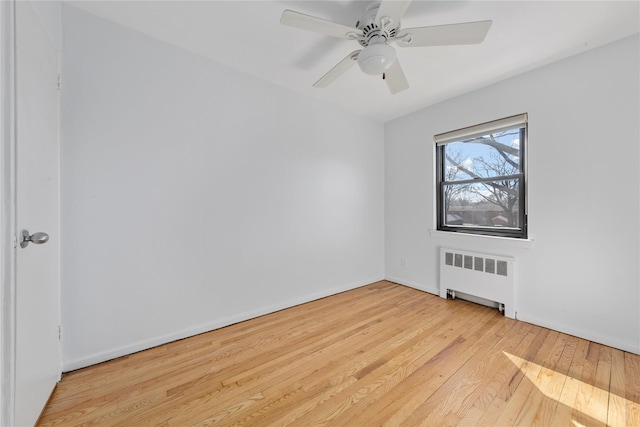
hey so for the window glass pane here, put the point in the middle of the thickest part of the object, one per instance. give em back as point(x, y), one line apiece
point(486, 156)
point(480, 178)
point(484, 204)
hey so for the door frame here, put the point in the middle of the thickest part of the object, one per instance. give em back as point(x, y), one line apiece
point(7, 211)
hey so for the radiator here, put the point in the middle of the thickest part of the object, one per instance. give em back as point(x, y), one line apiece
point(482, 275)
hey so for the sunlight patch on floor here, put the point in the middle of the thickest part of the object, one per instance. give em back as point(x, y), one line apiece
point(584, 398)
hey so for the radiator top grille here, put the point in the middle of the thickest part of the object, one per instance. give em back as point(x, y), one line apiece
point(487, 265)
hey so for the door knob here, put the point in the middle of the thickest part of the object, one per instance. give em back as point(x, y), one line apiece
point(37, 238)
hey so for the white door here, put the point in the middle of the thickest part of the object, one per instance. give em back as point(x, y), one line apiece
point(37, 210)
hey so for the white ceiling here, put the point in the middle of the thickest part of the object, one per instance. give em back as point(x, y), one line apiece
point(247, 36)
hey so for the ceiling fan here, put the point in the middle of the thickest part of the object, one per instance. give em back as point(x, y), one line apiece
point(376, 30)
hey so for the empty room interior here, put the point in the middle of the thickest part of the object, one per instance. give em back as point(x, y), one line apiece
point(320, 213)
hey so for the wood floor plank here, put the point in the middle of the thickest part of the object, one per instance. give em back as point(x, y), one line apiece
point(544, 365)
point(360, 367)
point(591, 403)
point(470, 380)
point(565, 408)
point(437, 388)
point(632, 388)
point(351, 366)
point(617, 415)
point(382, 354)
point(487, 390)
point(429, 377)
point(390, 372)
point(518, 390)
point(366, 362)
point(497, 394)
point(555, 383)
point(306, 360)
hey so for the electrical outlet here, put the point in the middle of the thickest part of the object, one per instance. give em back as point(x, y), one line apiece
point(403, 262)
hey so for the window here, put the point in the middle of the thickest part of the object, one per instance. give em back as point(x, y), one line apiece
point(480, 178)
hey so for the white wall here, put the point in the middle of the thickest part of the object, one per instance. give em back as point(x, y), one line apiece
point(581, 276)
point(50, 14)
point(194, 196)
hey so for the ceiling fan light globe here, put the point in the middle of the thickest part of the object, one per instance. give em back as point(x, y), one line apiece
point(375, 59)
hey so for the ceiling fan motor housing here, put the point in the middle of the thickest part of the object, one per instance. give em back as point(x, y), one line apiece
point(370, 28)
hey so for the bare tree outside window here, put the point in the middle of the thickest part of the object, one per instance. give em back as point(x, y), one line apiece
point(454, 172)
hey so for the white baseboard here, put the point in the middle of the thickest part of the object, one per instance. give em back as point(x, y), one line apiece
point(74, 364)
point(412, 285)
point(576, 332)
point(625, 346)
point(240, 317)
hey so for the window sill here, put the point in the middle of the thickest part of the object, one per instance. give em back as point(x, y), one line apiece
point(508, 241)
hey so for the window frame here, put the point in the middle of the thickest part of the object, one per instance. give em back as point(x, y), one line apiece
point(510, 123)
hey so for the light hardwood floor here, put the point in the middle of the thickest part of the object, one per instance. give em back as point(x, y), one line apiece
point(383, 354)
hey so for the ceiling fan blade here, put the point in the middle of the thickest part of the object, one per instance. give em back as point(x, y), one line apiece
point(393, 9)
point(395, 78)
point(311, 23)
point(338, 70)
point(445, 35)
